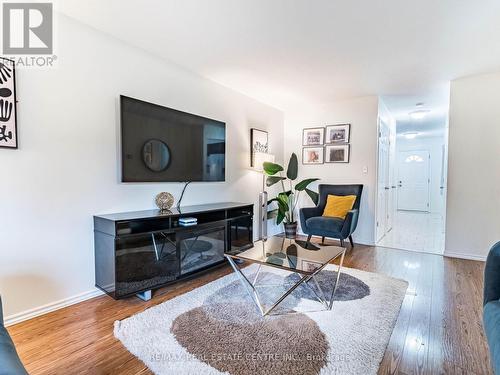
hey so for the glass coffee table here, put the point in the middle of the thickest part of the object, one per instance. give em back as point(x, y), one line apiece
point(296, 256)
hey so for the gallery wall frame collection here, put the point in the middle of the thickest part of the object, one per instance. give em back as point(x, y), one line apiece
point(328, 144)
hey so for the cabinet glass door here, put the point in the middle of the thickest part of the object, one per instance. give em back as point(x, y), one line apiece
point(144, 262)
point(201, 248)
point(241, 233)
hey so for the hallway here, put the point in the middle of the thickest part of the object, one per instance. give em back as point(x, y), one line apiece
point(416, 231)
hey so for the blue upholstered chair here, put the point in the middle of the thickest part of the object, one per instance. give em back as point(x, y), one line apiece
point(10, 364)
point(491, 303)
point(314, 224)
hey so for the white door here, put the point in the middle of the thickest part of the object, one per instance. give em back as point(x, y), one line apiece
point(383, 185)
point(413, 180)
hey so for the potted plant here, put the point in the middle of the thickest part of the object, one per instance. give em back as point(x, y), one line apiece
point(287, 200)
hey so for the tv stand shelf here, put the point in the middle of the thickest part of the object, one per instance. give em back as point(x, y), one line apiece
point(136, 252)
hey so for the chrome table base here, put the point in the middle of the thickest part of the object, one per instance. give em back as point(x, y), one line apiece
point(251, 286)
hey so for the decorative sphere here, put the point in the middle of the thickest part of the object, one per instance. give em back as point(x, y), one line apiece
point(164, 200)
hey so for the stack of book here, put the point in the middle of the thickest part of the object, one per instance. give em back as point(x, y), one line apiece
point(188, 221)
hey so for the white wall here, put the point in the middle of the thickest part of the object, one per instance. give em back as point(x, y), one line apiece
point(361, 113)
point(473, 204)
point(66, 168)
point(435, 147)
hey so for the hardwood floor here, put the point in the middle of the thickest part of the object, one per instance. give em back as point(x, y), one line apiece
point(439, 329)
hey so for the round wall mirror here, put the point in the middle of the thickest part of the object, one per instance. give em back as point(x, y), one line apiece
point(156, 155)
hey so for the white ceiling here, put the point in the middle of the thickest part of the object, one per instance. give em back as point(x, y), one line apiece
point(290, 52)
point(436, 101)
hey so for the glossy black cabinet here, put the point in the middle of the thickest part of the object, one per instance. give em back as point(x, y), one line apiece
point(201, 248)
point(145, 250)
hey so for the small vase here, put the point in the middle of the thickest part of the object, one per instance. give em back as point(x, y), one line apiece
point(290, 230)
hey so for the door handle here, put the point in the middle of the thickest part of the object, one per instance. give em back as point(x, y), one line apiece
point(393, 186)
point(386, 187)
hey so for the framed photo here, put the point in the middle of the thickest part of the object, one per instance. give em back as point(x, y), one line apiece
point(312, 155)
point(338, 133)
point(337, 153)
point(259, 142)
point(313, 137)
point(310, 266)
point(8, 113)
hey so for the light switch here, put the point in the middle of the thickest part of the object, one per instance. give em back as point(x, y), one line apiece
point(365, 170)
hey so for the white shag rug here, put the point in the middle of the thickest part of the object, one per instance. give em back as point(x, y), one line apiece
point(216, 328)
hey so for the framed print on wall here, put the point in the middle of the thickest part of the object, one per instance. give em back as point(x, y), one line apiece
point(337, 154)
point(259, 142)
point(8, 115)
point(338, 133)
point(312, 155)
point(313, 136)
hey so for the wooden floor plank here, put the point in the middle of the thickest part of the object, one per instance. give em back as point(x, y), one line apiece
point(438, 331)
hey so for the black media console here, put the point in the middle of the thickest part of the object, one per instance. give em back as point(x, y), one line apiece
point(136, 252)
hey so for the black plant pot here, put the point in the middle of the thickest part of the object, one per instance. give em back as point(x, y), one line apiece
point(290, 230)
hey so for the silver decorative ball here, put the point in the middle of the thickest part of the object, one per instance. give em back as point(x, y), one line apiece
point(164, 201)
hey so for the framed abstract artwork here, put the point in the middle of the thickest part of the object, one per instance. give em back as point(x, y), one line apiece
point(337, 153)
point(338, 133)
point(259, 142)
point(313, 136)
point(8, 115)
point(312, 155)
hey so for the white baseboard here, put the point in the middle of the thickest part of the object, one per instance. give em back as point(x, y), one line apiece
point(480, 258)
point(41, 310)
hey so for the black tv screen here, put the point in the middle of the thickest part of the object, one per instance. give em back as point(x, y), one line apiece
point(160, 144)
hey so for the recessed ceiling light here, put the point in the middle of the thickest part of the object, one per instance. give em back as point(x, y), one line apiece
point(419, 114)
point(410, 135)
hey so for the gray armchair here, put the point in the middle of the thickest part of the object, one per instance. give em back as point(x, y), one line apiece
point(10, 364)
point(314, 224)
point(491, 303)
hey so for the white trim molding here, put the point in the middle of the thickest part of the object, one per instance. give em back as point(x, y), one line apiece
point(449, 254)
point(41, 310)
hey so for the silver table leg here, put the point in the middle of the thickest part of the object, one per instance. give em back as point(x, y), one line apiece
point(338, 277)
point(256, 275)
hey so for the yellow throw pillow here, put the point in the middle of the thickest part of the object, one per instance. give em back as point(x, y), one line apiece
point(338, 205)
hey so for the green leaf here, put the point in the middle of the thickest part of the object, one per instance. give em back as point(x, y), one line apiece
point(271, 180)
point(283, 201)
point(313, 195)
point(302, 185)
point(293, 167)
point(287, 193)
point(282, 210)
point(280, 217)
point(271, 168)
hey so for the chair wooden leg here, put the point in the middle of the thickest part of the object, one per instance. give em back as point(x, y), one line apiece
point(342, 242)
point(323, 240)
point(351, 241)
point(309, 238)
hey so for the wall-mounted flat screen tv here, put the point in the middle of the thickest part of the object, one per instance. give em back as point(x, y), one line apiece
point(160, 144)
